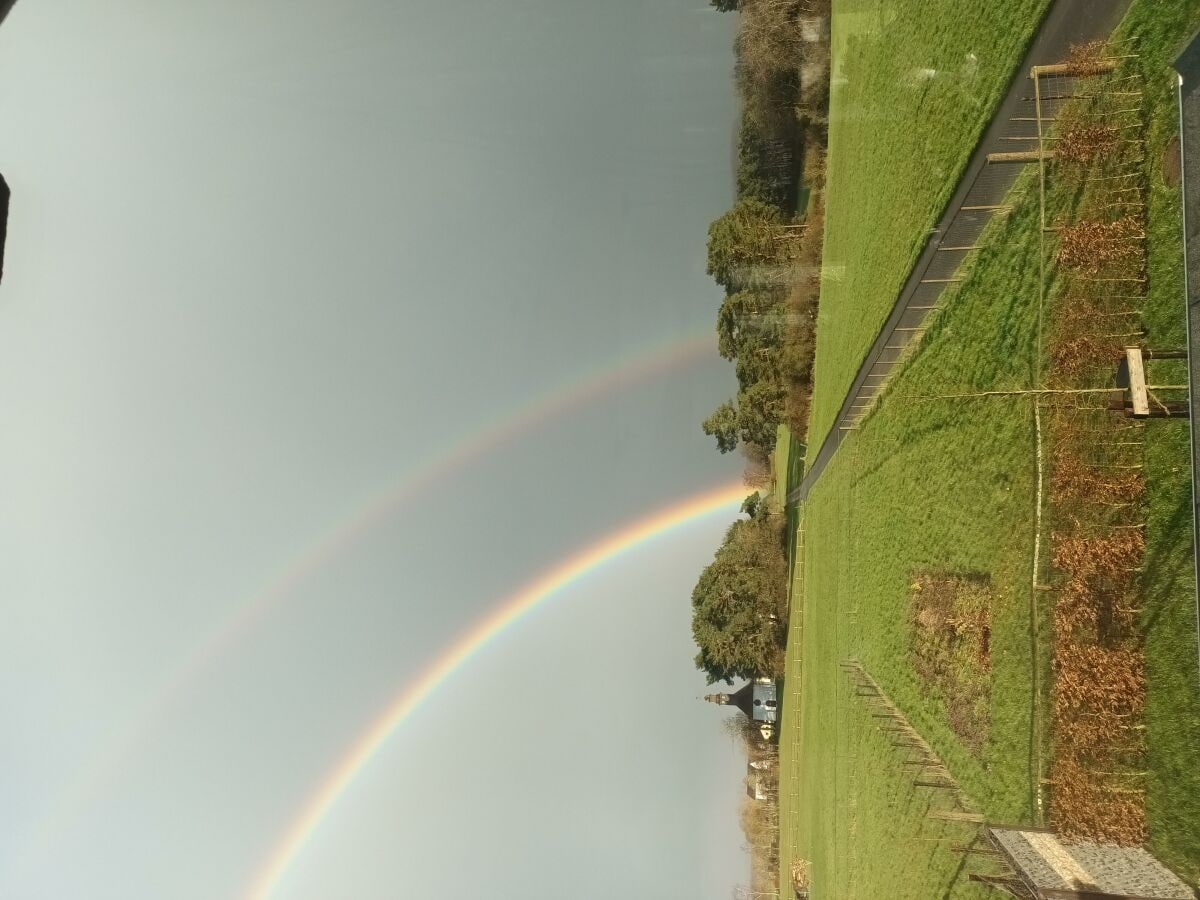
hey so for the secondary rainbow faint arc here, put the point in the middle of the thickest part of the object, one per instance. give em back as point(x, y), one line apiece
point(506, 613)
point(368, 516)
point(442, 464)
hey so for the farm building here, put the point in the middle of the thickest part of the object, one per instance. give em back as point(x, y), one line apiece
point(1045, 866)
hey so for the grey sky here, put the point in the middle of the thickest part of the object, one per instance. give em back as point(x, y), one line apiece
point(264, 258)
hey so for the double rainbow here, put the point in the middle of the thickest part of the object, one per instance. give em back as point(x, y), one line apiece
point(442, 464)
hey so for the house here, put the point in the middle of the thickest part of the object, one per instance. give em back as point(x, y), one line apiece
point(758, 699)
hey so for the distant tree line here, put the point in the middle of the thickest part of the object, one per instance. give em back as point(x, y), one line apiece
point(765, 251)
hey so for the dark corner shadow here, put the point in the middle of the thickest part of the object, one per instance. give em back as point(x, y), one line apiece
point(5, 7)
point(4, 193)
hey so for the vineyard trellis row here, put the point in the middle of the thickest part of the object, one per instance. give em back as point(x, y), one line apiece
point(1094, 282)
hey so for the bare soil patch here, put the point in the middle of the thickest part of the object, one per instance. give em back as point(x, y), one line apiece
point(949, 643)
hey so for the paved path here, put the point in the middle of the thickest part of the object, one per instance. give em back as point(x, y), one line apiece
point(982, 186)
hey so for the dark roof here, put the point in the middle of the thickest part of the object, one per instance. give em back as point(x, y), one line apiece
point(743, 698)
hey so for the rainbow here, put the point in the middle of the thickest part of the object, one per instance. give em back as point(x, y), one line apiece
point(627, 371)
point(443, 464)
point(507, 613)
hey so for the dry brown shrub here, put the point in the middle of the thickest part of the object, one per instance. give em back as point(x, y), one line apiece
point(1073, 359)
point(1079, 145)
point(1116, 731)
point(796, 407)
point(1099, 688)
point(1098, 317)
point(1091, 247)
point(760, 825)
point(800, 876)
point(800, 339)
point(1074, 481)
point(1089, 806)
point(1076, 608)
point(1087, 59)
point(1096, 679)
point(769, 52)
point(1109, 556)
point(757, 473)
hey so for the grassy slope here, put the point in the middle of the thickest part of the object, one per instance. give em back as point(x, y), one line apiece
point(935, 501)
point(908, 492)
point(914, 83)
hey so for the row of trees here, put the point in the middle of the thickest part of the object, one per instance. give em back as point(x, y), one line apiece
point(764, 251)
point(758, 252)
point(766, 262)
point(747, 255)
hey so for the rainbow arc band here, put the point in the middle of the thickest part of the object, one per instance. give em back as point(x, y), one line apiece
point(628, 371)
point(508, 612)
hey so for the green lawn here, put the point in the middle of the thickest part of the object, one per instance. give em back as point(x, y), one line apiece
point(788, 454)
point(950, 485)
point(914, 84)
point(907, 493)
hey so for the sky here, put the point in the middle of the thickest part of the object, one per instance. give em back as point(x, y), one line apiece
point(268, 263)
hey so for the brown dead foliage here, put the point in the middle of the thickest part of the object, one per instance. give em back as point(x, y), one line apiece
point(1096, 485)
point(1092, 247)
point(1099, 689)
point(1073, 359)
point(1098, 681)
point(1074, 481)
point(1079, 145)
point(1087, 59)
point(1112, 555)
point(1088, 805)
point(759, 819)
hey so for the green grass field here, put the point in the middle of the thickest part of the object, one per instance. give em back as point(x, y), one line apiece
point(914, 84)
point(950, 486)
point(787, 464)
point(910, 492)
